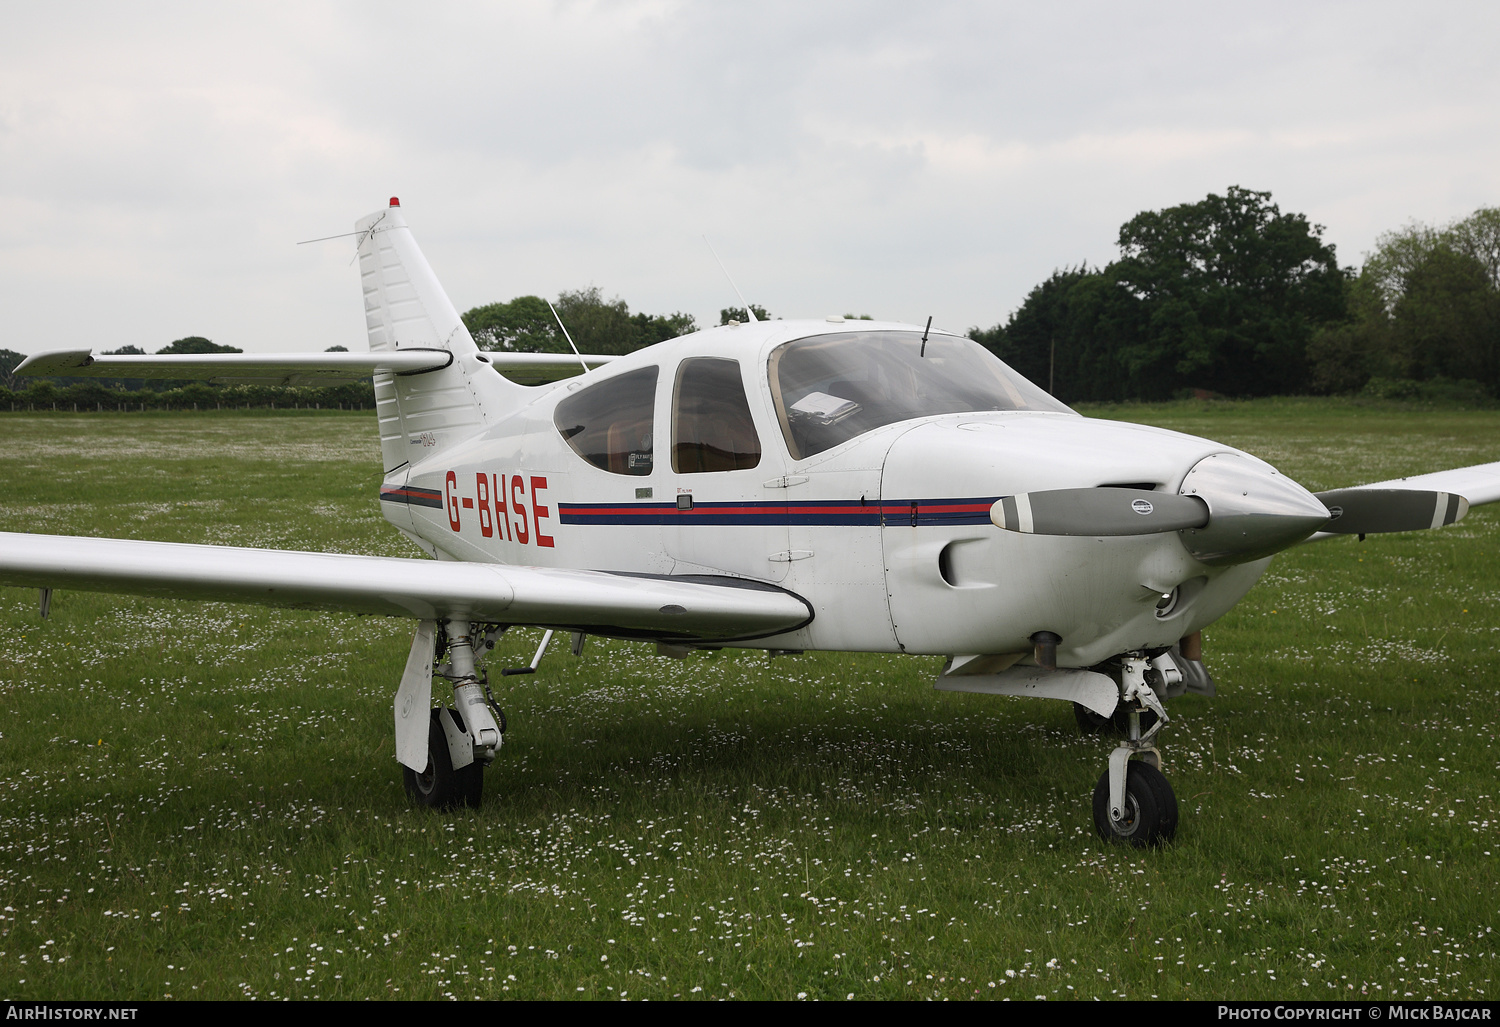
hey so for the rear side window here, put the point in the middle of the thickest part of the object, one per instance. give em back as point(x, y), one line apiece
point(711, 425)
point(610, 424)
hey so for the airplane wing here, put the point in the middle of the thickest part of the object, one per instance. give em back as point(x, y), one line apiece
point(314, 369)
point(698, 608)
point(1478, 484)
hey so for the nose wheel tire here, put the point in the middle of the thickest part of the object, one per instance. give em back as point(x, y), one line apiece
point(1150, 815)
point(439, 786)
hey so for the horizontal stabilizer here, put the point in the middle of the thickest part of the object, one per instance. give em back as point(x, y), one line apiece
point(700, 608)
point(1371, 511)
point(1098, 512)
point(535, 368)
point(238, 368)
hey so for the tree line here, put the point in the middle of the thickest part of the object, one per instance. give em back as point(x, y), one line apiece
point(1230, 296)
point(1227, 296)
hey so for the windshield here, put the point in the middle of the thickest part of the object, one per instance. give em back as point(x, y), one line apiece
point(832, 388)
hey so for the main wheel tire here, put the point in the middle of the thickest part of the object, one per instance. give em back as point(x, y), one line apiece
point(1150, 808)
point(440, 786)
point(471, 778)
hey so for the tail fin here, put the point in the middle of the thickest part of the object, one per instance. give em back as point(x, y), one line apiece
point(406, 308)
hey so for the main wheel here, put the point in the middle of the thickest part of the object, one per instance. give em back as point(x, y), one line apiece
point(440, 786)
point(1150, 808)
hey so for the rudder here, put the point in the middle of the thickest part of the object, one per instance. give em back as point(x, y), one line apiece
point(406, 308)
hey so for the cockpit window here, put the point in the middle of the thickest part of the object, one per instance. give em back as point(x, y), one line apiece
point(711, 425)
point(832, 388)
point(610, 424)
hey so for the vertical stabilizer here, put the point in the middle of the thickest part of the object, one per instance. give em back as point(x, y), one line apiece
point(406, 308)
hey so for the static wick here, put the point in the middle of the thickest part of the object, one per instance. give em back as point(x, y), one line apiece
point(923, 353)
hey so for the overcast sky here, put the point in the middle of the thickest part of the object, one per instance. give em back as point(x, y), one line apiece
point(159, 162)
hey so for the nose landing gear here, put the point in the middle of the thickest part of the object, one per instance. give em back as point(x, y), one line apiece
point(1133, 803)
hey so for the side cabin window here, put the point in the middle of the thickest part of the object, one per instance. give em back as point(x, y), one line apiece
point(711, 425)
point(610, 424)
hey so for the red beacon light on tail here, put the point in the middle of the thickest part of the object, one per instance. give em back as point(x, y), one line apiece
point(395, 202)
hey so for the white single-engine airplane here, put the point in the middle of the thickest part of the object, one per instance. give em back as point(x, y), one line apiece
point(837, 485)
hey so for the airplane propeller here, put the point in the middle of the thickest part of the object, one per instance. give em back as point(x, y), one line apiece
point(1374, 511)
point(1098, 511)
point(1231, 509)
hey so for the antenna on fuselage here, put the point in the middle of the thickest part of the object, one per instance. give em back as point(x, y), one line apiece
point(568, 337)
point(748, 312)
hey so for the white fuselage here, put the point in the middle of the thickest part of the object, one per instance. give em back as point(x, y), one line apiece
point(888, 535)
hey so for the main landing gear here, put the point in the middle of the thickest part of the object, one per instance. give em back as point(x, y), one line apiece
point(444, 751)
point(1133, 803)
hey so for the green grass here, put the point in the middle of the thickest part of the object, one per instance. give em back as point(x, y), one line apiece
point(201, 801)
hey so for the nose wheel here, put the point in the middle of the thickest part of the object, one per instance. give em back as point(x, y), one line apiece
point(1133, 803)
point(1149, 813)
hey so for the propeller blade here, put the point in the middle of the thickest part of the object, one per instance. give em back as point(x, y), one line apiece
point(1098, 512)
point(1374, 511)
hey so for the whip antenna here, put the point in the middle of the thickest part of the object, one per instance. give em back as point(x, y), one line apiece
point(325, 238)
point(750, 313)
point(568, 337)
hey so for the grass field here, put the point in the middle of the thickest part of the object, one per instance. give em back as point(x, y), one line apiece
point(201, 800)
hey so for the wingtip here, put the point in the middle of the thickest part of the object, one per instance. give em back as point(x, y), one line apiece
point(57, 362)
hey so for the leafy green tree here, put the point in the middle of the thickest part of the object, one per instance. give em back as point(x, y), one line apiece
point(1447, 320)
point(656, 328)
point(196, 344)
point(523, 325)
point(1068, 337)
point(1344, 356)
point(1234, 290)
point(125, 351)
point(1426, 307)
point(1478, 236)
point(598, 325)
point(1224, 294)
point(729, 314)
point(9, 361)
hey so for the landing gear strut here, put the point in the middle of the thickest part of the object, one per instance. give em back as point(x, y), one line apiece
point(1133, 803)
point(452, 746)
